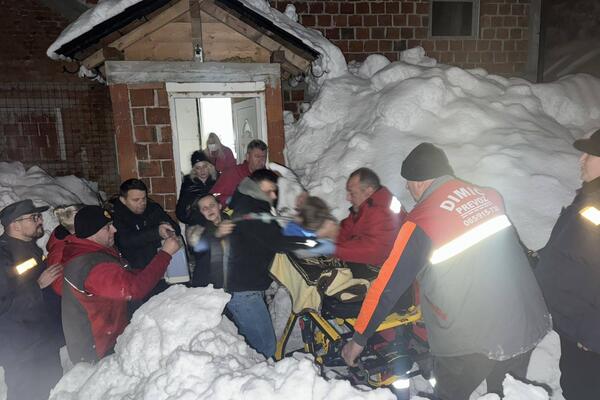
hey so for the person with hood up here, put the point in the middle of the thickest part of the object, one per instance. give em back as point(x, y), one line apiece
point(569, 274)
point(253, 244)
point(218, 154)
point(481, 304)
point(98, 285)
point(196, 184)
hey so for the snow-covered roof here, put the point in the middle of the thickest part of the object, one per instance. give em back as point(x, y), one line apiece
point(103, 11)
point(93, 23)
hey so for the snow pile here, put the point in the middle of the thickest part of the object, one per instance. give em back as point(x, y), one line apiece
point(331, 64)
point(16, 184)
point(506, 133)
point(178, 346)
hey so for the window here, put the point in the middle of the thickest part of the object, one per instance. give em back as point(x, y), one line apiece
point(450, 18)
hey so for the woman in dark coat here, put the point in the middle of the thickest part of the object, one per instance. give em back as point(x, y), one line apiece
point(195, 185)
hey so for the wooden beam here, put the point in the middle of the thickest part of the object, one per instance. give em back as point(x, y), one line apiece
point(134, 72)
point(140, 32)
point(110, 53)
point(196, 21)
point(253, 34)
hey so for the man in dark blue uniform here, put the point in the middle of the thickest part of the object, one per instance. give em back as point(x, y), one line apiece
point(30, 333)
point(569, 275)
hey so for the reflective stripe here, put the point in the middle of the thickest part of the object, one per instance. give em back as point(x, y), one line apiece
point(385, 274)
point(592, 214)
point(469, 239)
point(76, 288)
point(26, 266)
point(395, 205)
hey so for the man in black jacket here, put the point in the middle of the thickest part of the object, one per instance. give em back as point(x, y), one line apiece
point(254, 243)
point(569, 275)
point(141, 226)
point(30, 332)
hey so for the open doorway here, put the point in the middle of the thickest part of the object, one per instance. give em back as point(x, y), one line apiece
point(237, 116)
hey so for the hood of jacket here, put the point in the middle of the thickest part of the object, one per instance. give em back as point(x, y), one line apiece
point(250, 188)
point(76, 247)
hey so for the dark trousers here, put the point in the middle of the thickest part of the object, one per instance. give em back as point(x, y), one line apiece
point(580, 372)
point(457, 377)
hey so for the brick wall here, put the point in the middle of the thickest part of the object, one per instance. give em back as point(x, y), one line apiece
point(145, 143)
point(41, 105)
point(61, 129)
point(144, 139)
point(360, 28)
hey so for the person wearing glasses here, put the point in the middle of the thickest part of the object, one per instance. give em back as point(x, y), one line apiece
point(30, 332)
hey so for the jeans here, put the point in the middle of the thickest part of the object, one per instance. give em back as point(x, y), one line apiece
point(252, 318)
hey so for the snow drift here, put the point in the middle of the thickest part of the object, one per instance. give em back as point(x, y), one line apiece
point(506, 133)
point(16, 184)
point(179, 346)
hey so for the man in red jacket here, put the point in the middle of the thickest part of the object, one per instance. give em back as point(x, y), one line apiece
point(97, 285)
point(366, 236)
point(256, 158)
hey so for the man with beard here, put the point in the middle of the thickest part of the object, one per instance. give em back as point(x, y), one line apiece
point(569, 275)
point(30, 334)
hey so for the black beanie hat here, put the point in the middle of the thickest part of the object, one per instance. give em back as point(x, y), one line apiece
point(198, 156)
point(89, 220)
point(426, 161)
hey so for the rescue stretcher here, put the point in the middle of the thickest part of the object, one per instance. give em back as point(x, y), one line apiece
point(326, 300)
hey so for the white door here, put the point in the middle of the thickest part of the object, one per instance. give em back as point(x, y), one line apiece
point(246, 124)
point(188, 132)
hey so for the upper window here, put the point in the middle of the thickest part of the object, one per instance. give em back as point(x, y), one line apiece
point(450, 18)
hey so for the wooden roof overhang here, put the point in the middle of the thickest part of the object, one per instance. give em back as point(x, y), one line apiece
point(109, 39)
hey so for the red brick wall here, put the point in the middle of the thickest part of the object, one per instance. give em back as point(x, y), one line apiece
point(144, 141)
point(32, 89)
point(360, 28)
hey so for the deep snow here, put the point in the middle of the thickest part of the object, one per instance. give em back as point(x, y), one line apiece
point(506, 133)
point(179, 346)
point(18, 183)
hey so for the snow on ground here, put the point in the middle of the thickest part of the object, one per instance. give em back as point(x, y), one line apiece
point(17, 183)
point(178, 346)
point(506, 133)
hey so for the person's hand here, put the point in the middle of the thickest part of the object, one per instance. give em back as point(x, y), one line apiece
point(49, 275)
point(224, 229)
point(165, 230)
point(350, 352)
point(171, 245)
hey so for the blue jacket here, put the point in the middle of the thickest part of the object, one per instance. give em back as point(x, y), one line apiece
point(569, 270)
